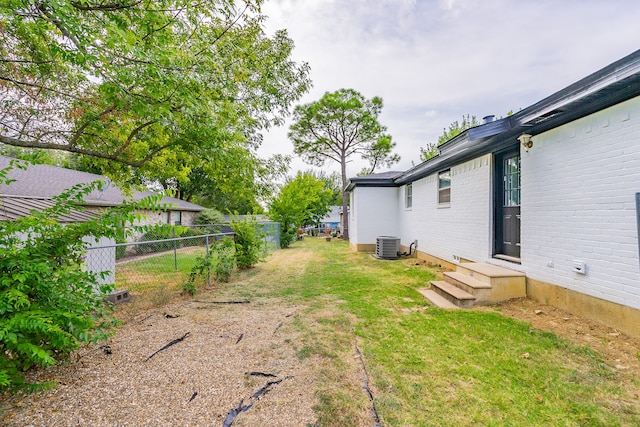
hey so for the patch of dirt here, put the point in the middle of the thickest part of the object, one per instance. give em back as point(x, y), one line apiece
point(197, 381)
point(619, 351)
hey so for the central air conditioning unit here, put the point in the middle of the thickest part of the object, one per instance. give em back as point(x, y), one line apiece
point(387, 247)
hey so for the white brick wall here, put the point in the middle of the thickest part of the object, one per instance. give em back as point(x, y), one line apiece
point(578, 203)
point(463, 228)
point(373, 213)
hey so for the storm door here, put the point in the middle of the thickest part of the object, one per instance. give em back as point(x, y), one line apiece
point(507, 205)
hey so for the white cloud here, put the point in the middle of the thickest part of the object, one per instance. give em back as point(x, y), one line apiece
point(433, 61)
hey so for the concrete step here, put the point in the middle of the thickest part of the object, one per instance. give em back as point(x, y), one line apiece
point(453, 293)
point(484, 272)
point(436, 299)
point(464, 281)
point(489, 283)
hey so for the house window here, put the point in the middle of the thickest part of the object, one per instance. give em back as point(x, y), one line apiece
point(512, 181)
point(177, 216)
point(408, 196)
point(444, 187)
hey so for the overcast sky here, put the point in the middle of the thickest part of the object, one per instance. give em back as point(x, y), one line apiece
point(433, 61)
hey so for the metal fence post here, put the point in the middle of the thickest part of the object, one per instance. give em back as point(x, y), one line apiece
point(206, 242)
point(175, 251)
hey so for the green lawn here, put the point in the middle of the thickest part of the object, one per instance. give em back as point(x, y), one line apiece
point(152, 271)
point(441, 367)
point(427, 366)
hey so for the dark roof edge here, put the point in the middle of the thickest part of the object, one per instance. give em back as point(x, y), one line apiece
point(371, 182)
point(384, 179)
point(494, 136)
point(616, 71)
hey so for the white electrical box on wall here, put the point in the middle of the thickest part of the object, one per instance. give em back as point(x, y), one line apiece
point(579, 267)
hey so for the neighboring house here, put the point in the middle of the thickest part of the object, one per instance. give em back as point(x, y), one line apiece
point(548, 192)
point(34, 187)
point(332, 219)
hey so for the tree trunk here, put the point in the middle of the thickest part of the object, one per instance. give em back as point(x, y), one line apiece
point(345, 200)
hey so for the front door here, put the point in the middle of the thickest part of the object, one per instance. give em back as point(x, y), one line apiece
point(507, 204)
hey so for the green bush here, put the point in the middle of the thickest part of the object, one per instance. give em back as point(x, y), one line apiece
point(190, 232)
point(249, 241)
point(287, 236)
point(211, 219)
point(220, 260)
point(49, 303)
point(209, 216)
point(162, 232)
point(224, 261)
point(120, 250)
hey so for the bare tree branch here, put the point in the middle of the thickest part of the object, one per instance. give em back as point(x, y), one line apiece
point(52, 146)
point(133, 133)
point(106, 6)
point(57, 92)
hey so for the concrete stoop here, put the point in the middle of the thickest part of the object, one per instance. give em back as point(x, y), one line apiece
point(477, 283)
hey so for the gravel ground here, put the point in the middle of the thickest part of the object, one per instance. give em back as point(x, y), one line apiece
point(195, 382)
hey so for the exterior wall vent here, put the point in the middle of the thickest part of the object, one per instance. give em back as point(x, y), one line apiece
point(387, 247)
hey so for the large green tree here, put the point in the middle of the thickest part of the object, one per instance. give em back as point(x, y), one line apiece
point(332, 181)
point(339, 126)
point(137, 82)
point(235, 181)
point(303, 200)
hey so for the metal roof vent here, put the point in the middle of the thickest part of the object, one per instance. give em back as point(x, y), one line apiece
point(488, 119)
point(387, 247)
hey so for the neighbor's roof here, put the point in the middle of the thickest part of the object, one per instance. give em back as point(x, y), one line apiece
point(615, 83)
point(333, 215)
point(46, 181)
point(12, 208)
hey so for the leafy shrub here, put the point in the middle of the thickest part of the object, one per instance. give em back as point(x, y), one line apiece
point(163, 232)
point(120, 250)
point(201, 270)
point(49, 302)
point(211, 219)
point(249, 241)
point(160, 233)
point(220, 261)
point(189, 232)
point(224, 260)
point(287, 236)
point(209, 216)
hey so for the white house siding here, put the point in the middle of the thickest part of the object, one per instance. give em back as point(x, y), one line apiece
point(373, 213)
point(462, 229)
point(578, 203)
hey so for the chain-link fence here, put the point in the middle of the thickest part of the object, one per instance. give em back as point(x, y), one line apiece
point(270, 230)
point(162, 260)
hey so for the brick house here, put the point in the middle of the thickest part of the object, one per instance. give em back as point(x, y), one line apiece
point(546, 197)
